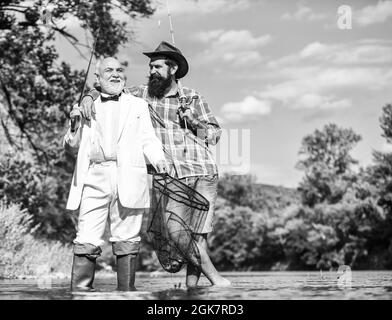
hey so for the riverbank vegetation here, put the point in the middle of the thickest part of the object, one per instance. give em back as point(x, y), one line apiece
point(340, 213)
point(22, 253)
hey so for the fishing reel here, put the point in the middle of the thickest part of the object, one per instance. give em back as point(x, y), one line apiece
point(185, 103)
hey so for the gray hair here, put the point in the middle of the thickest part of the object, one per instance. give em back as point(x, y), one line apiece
point(98, 65)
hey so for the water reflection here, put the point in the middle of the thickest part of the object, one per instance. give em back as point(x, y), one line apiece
point(249, 286)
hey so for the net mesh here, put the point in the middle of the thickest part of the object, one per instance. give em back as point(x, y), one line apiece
point(177, 213)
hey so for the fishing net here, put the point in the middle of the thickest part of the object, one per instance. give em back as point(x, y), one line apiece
point(177, 212)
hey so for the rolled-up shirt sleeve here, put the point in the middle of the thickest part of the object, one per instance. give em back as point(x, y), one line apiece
point(212, 131)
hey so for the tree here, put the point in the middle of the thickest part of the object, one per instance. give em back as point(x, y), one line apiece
point(327, 164)
point(237, 239)
point(35, 92)
point(238, 189)
point(381, 172)
point(380, 177)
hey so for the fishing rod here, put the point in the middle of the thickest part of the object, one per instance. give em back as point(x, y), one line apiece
point(170, 22)
point(183, 100)
point(74, 120)
point(181, 91)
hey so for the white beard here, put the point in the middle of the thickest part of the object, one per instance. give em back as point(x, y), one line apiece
point(112, 88)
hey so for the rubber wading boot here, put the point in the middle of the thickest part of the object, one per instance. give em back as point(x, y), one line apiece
point(83, 271)
point(126, 269)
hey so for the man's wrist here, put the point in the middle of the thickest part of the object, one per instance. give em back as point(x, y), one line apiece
point(88, 95)
point(198, 124)
point(195, 123)
point(76, 107)
point(93, 93)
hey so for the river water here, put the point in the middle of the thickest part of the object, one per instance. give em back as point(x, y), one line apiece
point(246, 286)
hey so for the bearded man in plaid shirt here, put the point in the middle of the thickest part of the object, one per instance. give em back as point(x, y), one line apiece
point(185, 134)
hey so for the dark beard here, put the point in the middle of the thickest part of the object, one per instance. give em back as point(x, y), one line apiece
point(158, 85)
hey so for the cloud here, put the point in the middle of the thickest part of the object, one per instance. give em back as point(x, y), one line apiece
point(365, 78)
point(317, 86)
point(374, 14)
point(320, 75)
point(351, 53)
point(232, 39)
point(208, 36)
point(303, 13)
point(244, 110)
point(238, 47)
point(314, 49)
point(314, 100)
point(202, 6)
point(368, 51)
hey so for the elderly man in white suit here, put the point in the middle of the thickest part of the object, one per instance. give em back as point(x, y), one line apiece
point(110, 179)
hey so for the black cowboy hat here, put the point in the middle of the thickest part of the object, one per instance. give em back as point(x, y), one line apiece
point(167, 50)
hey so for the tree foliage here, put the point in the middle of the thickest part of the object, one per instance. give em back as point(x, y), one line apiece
point(36, 90)
point(327, 164)
point(380, 176)
point(381, 173)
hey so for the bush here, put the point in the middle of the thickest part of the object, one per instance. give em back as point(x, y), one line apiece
point(21, 254)
point(26, 181)
point(237, 238)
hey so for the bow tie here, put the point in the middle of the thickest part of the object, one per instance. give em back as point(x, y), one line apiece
point(109, 98)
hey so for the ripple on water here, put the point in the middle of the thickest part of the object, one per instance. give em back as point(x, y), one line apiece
point(246, 286)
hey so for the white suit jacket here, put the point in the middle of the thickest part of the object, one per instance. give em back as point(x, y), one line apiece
point(136, 139)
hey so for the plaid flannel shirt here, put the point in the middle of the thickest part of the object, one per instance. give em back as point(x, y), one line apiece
point(186, 150)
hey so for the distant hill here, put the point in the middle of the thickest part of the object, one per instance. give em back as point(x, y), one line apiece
point(270, 198)
point(280, 196)
point(243, 191)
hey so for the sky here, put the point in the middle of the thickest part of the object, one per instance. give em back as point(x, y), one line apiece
point(274, 72)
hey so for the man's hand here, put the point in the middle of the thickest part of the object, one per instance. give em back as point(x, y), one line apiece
point(76, 117)
point(87, 108)
point(162, 166)
point(188, 116)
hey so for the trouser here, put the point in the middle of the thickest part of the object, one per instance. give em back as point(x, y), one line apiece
point(207, 186)
point(177, 219)
point(100, 203)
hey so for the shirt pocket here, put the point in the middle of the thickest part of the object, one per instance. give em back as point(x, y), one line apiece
point(175, 134)
point(178, 136)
